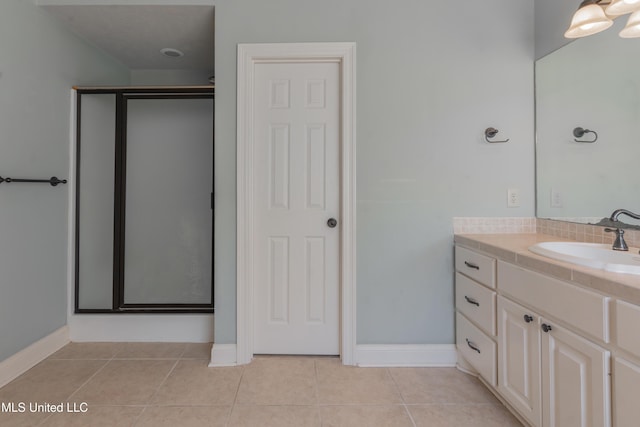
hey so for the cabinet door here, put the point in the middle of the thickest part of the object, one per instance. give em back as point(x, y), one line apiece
point(519, 359)
point(626, 389)
point(575, 379)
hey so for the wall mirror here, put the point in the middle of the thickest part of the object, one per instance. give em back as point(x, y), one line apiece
point(592, 83)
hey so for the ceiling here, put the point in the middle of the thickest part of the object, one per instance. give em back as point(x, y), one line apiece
point(134, 34)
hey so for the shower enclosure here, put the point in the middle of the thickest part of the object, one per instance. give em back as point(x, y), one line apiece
point(144, 200)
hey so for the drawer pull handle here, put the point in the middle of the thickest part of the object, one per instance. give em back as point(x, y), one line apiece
point(546, 327)
point(528, 318)
point(471, 265)
point(472, 346)
point(472, 301)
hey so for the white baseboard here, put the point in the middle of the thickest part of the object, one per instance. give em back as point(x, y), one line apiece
point(27, 358)
point(141, 327)
point(223, 355)
point(401, 355)
point(406, 355)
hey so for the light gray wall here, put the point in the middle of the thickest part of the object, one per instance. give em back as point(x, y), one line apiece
point(552, 18)
point(40, 63)
point(431, 78)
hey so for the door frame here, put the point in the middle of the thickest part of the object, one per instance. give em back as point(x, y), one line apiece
point(248, 56)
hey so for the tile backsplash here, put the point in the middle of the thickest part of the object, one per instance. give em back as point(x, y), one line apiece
point(579, 232)
point(584, 232)
point(485, 225)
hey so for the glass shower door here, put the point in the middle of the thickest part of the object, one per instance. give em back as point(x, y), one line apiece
point(167, 203)
point(144, 214)
point(95, 201)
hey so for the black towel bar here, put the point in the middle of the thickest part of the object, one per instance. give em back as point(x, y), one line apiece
point(53, 180)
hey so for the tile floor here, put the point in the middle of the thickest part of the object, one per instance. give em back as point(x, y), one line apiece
point(160, 384)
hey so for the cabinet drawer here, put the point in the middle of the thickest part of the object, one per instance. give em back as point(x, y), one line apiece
point(477, 303)
point(476, 348)
point(479, 267)
point(582, 309)
point(627, 321)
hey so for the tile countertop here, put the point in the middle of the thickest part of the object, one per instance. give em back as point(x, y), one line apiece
point(513, 248)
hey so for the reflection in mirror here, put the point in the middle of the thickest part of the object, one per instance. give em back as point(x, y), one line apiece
point(592, 83)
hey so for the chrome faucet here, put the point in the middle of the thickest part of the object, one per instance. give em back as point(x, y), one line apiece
point(614, 216)
point(619, 244)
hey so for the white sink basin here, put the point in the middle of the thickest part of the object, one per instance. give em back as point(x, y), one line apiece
point(594, 255)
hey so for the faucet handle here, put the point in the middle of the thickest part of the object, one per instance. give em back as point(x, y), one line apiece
point(619, 244)
point(614, 230)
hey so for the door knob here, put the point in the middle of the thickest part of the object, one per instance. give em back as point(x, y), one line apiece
point(332, 222)
point(528, 318)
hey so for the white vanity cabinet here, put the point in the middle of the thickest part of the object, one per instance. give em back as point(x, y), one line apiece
point(552, 376)
point(476, 312)
point(553, 359)
point(553, 324)
point(626, 365)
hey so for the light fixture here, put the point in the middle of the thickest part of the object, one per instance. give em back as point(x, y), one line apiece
point(593, 16)
point(621, 7)
point(632, 29)
point(589, 19)
point(171, 52)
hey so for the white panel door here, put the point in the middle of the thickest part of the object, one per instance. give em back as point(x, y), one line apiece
point(575, 380)
point(296, 191)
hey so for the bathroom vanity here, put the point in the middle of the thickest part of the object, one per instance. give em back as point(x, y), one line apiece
point(558, 343)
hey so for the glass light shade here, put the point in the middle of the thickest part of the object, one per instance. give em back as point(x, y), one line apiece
point(632, 29)
point(588, 20)
point(620, 7)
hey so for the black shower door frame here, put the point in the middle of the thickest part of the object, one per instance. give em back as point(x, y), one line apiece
point(122, 95)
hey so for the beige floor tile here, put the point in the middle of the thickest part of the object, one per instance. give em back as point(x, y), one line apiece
point(21, 419)
point(160, 384)
point(339, 384)
point(182, 416)
point(440, 385)
point(278, 381)
point(88, 350)
point(485, 415)
point(99, 416)
point(197, 351)
point(274, 416)
point(192, 382)
point(50, 381)
point(151, 350)
point(370, 416)
point(125, 382)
